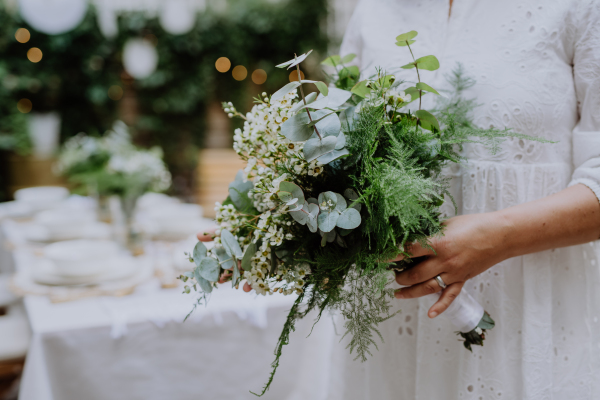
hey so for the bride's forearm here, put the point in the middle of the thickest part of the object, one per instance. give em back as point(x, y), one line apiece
point(567, 218)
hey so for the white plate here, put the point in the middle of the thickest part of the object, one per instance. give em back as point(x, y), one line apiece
point(118, 268)
point(37, 233)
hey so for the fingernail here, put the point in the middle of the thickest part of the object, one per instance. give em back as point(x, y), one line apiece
point(398, 294)
point(433, 314)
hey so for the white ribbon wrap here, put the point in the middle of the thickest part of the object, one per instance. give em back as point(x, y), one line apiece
point(464, 312)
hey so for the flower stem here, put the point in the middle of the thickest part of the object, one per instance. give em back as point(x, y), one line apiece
point(417, 68)
point(304, 99)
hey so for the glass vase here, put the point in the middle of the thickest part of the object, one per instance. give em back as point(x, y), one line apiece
point(130, 235)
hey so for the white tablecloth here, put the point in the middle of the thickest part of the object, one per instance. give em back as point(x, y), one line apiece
point(136, 347)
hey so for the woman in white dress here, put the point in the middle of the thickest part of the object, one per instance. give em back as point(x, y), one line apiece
point(537, 67)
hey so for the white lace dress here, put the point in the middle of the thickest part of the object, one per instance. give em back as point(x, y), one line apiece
point(537, 66)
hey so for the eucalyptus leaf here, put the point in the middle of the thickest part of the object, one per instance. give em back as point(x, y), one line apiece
point(204, 284)
point(309, 99)
point(340, 204)
point(328, 123)
point(295, 61)
point(322, 88)
point(427, 120)
point(406, 36)
point(199, 253)
point(284, 196)
point(341, 141)
point(349, 219)
point(238, 193)
point(327, 197)
point(294, 189)
point(278, 95)
point(315, 148)
point(301, 216)
point(313, 213)
point(328, 236)
point(225, 259)
point(426, 87)
point(312, 224)
point(361, 89)
point(296, 128)
point(332, 156)
point(292, 202)
point(235, 276)
point(351, 195)
point(231, 244)
point(209, 269)
point(348, 118)
point(327, 220)
point(333, 100)
point(312, 200)
point(247, 259)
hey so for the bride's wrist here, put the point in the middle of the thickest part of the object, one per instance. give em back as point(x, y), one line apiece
point(506, 237)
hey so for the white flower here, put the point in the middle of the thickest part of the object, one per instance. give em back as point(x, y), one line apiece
point(396, 98)
point(479, 331)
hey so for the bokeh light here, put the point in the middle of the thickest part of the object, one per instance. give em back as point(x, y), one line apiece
point(22, 35)
point(294, 75)
point(259, 76)
point(24, 106)
point(115, 92)
point(239, 73)
point(34, 55)
point(223, 64)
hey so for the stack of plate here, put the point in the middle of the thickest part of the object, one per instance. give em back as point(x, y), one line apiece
point(83, 262)
point(66, 223)
point(175, 221)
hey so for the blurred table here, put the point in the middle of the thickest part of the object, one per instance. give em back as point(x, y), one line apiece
point(138, 347)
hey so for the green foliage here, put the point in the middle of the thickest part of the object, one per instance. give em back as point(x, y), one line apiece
point(78, 68)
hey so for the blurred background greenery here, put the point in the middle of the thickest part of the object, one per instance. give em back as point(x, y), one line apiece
point(228, 55)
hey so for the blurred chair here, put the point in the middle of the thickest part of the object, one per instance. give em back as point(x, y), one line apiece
point(15, 336)
point(216, 170)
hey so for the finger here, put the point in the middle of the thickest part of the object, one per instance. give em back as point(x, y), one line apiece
point(247, 287)
point(420, 290)
point(224, 277)
point(420, 273)
point(415, 250)
point(206, 236)
point(448, 296)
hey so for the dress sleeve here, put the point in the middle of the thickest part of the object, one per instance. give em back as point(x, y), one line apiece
point(586, 74)
point(352, 42)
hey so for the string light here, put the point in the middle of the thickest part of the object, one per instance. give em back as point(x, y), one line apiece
point(34, 55)
point(115, 92)
point(22, 35)
point(239, 73)
point(294, 75)
point(24, 106)
point(223, 64)
point(259, 76)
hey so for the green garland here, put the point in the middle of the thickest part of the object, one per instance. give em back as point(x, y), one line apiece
point(79, 66)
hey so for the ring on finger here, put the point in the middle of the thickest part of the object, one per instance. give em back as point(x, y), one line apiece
point(440, 282)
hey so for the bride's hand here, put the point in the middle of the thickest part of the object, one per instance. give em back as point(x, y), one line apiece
point(470, 245)
point(208, 237)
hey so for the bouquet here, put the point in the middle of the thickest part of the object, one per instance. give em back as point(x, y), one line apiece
point(337, 182)
point(112, 165)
